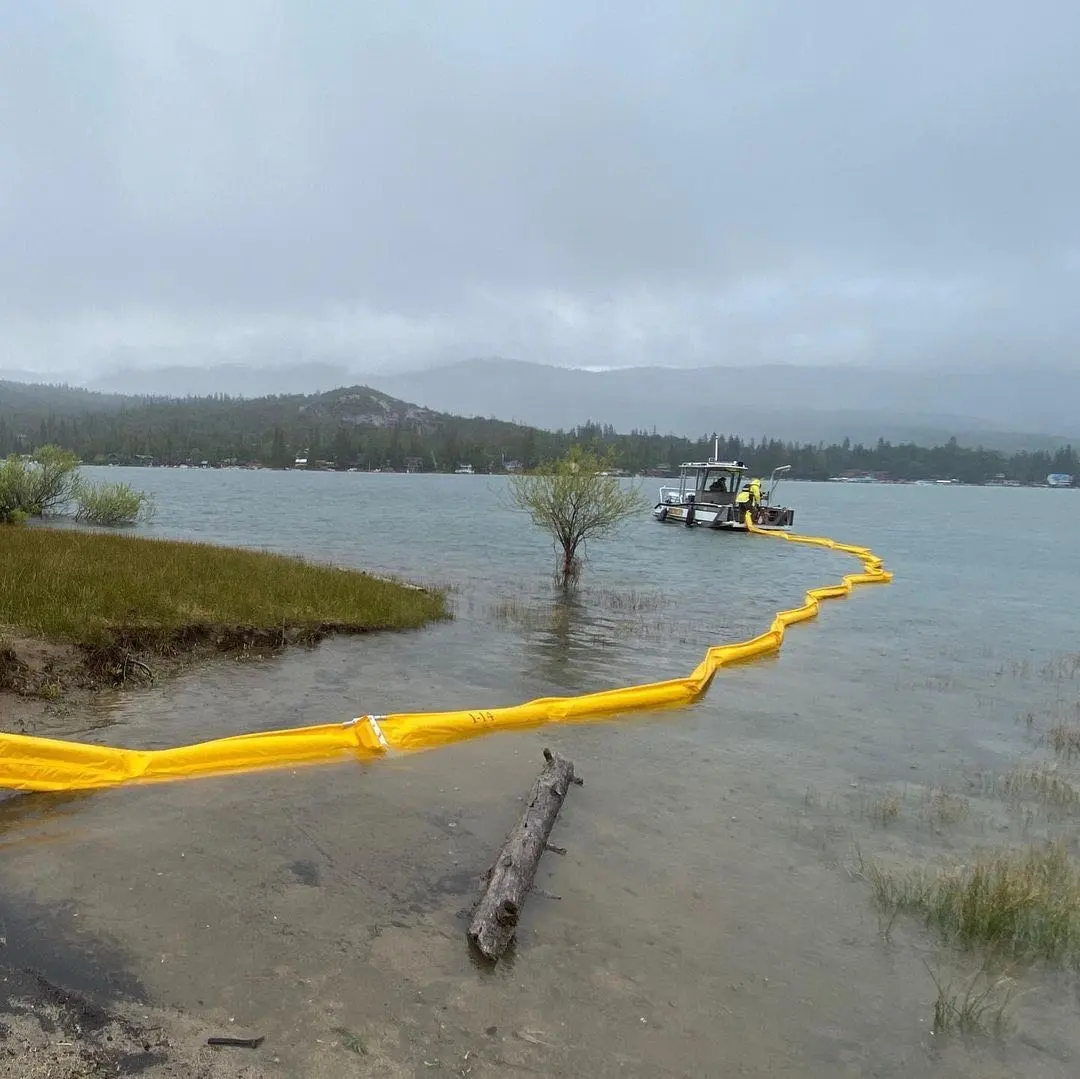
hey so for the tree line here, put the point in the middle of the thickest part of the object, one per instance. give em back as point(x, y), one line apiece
point(359, 428)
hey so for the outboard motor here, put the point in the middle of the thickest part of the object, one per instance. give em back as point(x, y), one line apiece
point(690, 509)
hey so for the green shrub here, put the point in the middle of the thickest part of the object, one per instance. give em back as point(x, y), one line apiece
point(44, 483)
point(50, 482)
point(112, 504)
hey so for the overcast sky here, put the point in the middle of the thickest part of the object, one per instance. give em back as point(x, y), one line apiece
point(585, 183)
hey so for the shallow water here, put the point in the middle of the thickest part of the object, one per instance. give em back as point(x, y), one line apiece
point(708, 921)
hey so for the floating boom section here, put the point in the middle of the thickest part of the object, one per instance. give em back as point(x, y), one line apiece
point(45, 764)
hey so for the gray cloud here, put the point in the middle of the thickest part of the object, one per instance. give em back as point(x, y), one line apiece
point(602, 183)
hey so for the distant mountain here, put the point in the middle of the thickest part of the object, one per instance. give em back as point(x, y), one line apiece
point(361, 427)
point(233, 379)
point(17, 396)
point(807, 404)
point(1007, 409)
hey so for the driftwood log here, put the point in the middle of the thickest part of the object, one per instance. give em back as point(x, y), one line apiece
point(495, 918)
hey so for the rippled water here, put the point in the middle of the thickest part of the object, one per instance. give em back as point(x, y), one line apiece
point(709, 923)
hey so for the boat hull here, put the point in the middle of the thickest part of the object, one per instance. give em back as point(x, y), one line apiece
point(720, 518)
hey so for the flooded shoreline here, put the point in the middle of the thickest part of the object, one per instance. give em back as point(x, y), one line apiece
point(331, 900)
point(712, 917)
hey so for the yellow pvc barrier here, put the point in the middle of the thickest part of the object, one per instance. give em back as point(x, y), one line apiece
point(46, 764)
point(52, 764)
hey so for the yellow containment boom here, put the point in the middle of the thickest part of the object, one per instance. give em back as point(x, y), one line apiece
point(47, 764)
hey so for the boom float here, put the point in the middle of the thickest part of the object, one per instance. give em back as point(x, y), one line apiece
point(45, 764)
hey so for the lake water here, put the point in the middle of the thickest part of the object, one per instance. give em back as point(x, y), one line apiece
point(709, 922)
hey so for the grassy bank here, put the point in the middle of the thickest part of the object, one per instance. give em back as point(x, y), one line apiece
point(98, 590)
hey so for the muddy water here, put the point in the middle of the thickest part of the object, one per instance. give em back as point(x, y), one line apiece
point(708, 919)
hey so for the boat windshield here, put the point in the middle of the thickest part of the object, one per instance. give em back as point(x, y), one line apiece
point(715, 483)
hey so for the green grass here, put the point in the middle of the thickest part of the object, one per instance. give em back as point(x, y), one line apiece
point(351, 1041)
point(1019, 903)
point(94, 589)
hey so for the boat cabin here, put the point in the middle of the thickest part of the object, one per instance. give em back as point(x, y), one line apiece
point(713, 482)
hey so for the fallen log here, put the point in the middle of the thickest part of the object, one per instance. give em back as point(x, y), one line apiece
point(495, 917)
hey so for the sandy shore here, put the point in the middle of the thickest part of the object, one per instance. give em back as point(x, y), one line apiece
point(48, 1032)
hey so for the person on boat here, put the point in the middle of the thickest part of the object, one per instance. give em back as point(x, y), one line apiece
point(748, 499)
point(719, 484)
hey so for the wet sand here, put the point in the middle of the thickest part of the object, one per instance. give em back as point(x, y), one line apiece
point(48, 1032)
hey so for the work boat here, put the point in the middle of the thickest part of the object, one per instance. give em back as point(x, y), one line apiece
point(706, 497)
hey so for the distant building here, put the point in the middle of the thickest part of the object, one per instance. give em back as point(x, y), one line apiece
point(1060, 479)
point(301, 462)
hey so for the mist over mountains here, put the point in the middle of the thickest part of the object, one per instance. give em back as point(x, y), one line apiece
point(1006, 408)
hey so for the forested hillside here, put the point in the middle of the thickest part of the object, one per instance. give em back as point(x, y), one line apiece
point(362, 428)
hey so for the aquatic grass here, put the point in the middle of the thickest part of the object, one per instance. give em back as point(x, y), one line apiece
point(1061, 668)
point(629, 600)
point(886, 809)
point(941, 808)
point(1020, 903)
point(1042, 782)
point(1064, 740)
point(512, 611)
point(621, 615)
point(1014, 668)
point(980, 1007)
point(92, 588)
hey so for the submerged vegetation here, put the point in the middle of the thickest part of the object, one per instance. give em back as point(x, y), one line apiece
point(981, 879)
point(980, 1007)
point(1064, 739)
point(94, 589)
point(1019, 903)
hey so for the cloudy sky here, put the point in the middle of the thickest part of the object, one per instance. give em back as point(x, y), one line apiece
point(585, 182)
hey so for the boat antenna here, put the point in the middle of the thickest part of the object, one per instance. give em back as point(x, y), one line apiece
point(716, 447)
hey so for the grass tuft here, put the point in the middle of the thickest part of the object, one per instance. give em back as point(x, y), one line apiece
point(1065, 740)
point(1043, 783)
point(981, 1006)
point(1017, 903)
point(941, 808)
point(351, 1041)
point(93, 589)
point(628, 601)
point(886, 809)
